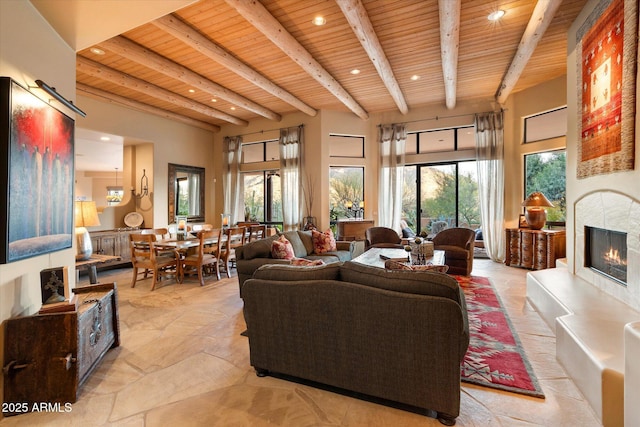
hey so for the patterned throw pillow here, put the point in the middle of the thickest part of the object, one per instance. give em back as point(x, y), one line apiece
point(281, 248)
point(306, 262)
point(323, 242)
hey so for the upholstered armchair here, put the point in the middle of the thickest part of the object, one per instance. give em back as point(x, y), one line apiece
point(381, 237)
point(457, 244)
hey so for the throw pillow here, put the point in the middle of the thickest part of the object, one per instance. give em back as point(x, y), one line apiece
point(304, 261)
point(281, 248)
point(323, 242)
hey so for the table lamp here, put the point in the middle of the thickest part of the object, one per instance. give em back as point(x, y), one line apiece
point(86, 216)
point(536, 214)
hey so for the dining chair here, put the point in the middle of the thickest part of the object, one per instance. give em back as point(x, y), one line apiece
point(144, 256)
point(205, 258)
point(257, 232)
point(235, 237)
point(160, 233)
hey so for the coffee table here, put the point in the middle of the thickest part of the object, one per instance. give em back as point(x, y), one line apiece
point(373, 257)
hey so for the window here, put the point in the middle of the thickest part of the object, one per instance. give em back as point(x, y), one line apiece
point(263, 197)
point(433, 141)
point(445, 193)
point(346, 192)
point(346, 146)
point(255, 152)
point(552, 124)
point(546, 172)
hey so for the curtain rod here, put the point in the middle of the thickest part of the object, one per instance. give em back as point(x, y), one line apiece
point(267, 130)
point(448, 117)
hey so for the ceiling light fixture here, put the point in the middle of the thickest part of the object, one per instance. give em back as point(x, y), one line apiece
point(214, 100)
point(415, 77)
point(496, 15)
point(355, 71)
point(97, 51)
point(192, 91)
point(233, 108)
point(319, 20)
point(105, 138)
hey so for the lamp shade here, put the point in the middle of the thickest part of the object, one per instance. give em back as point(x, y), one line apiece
point(86, 214)
point(537, 199)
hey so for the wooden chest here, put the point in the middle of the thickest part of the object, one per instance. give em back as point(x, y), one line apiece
point(534, 249)
point(49, 356)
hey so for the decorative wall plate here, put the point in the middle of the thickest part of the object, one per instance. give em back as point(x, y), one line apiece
point(133, 219)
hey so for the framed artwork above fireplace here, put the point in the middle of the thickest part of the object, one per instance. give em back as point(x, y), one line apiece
point(606, 50)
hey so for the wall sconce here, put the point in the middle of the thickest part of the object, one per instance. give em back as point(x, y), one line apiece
point(144, 185)
point(64, 101)
point(536, 214)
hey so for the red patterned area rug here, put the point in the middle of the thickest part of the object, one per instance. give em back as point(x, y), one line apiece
point(495, 357)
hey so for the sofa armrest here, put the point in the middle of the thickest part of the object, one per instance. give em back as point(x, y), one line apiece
point(346, 245)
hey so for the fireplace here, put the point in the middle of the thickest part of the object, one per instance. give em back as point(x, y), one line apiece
point(606, 253)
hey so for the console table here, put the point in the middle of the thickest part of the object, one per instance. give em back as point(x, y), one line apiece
point(91, 265)
point(353, 229)
point(534, 249)
point(49, 356)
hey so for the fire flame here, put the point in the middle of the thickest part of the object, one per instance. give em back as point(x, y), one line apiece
point(613, 257)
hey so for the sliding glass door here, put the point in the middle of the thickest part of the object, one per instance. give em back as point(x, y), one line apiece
point(441, 196)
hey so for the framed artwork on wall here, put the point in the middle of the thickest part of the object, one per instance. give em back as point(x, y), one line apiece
point(607, 48)
point(36, 175)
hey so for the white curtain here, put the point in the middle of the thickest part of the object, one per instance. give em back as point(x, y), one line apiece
point(291, 145)
point(490, 161)
point(231, 179)
point(392, 140)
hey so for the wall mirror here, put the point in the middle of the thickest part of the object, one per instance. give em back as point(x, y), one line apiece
point(186, 192)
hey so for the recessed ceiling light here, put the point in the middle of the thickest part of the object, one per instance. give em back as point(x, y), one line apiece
point(105, 138)
point(192, 91)
point(214, 100)
point(415, 77)
point(355, 71)
point(233, 108)
point(496, 15)
point(97, 51)
point(319, 20)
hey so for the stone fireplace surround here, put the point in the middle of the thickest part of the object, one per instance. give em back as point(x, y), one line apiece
point(595, 319)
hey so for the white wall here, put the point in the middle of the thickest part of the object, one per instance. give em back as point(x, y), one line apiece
point(625, 182)
point(30, 50)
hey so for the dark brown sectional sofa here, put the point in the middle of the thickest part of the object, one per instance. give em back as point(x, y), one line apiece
point(395, 335)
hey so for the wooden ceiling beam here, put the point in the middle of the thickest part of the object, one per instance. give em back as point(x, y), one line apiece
point(183, 32)
point(100, 71)
point(449, 11)
point(254, 12)
point(361, 25)
point(102, 95)
point(541, 17)
point(137, 53)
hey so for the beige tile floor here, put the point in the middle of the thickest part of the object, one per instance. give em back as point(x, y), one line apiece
point(183, 362)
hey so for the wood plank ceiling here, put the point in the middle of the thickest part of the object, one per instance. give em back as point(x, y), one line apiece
point(246, 59)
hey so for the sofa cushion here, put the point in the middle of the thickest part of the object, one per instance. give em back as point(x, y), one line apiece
point(298, 247)
point(282, 249)
point(414, 282)
point(323, 242)
point(307, 240)
point(258, 249)
point(297, 273)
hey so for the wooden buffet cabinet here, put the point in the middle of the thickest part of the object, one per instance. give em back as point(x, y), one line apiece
point(49, 356)
point(534, 249)
point(113, 242)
